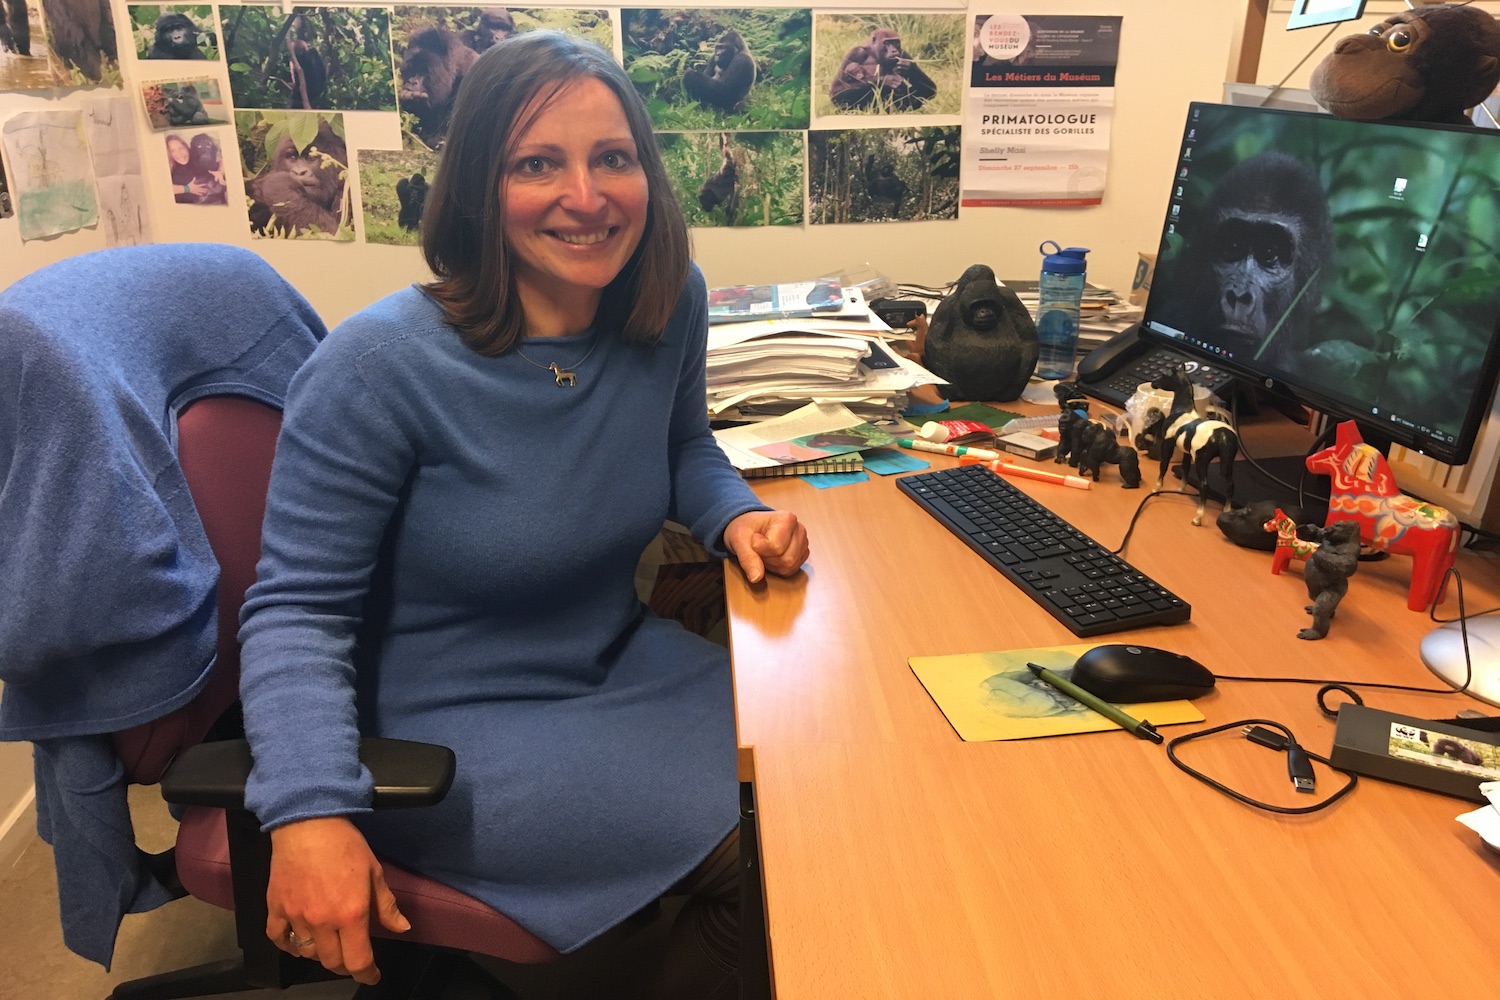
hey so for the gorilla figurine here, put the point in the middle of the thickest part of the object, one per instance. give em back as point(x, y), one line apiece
point(1428, 64)
point(981, 340)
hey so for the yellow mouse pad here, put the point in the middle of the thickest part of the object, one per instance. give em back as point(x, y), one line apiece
point(992, 696)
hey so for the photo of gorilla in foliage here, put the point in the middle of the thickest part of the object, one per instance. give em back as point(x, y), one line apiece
point(176, 38)
point(736, 178)
point(435, 46)
point(883, 174)
point(721, 69)
point(330, 58)
point(1254, 260)
point(889, 63)
point(296, 165)
point(393, 187)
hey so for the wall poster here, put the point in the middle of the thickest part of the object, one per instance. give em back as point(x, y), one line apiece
point(1041, 101)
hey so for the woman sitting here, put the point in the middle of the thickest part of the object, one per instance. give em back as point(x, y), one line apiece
point(467, 475)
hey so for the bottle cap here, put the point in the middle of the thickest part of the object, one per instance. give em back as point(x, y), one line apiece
point(1060, 261)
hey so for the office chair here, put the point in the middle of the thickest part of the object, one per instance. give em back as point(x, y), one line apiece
point(141, 390)
point(225, 445)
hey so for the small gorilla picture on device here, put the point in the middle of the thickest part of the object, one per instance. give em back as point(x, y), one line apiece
point(736, 178)
point(883, 174)
point(393, 192)
point(296, 171)
point(435, 46)
point(889, 64)
point(721, 69)
point(174, 32)
point(330, 58)
point(183, 104)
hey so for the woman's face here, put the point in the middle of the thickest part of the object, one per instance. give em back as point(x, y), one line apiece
point(574, 196)
point(177, 150)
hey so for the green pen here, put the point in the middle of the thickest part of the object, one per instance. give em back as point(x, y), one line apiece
point(1139, 727)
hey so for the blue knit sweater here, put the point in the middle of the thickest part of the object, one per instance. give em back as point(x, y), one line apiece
point(107, 582)
point(448, 556)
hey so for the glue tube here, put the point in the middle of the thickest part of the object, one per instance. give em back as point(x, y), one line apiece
point(941, 431)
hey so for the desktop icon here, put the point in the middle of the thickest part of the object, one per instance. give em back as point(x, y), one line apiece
point(1177, 209)
point(1182, 172)
point(1187, 152)
point(1422, 241)
point(1398, 190)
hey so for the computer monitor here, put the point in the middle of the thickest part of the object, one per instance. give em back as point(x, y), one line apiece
point(1353, 266)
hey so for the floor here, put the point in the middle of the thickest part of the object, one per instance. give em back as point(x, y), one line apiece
point(34, 964)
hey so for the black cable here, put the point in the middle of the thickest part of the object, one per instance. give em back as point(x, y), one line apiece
point(1130, 528)
point(1296, 767)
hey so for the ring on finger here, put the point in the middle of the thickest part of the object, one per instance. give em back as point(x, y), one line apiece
point(297, 942)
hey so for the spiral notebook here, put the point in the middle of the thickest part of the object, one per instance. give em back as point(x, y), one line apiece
point(852, 462)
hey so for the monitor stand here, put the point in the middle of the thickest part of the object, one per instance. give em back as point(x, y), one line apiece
point(1250, 485)
point(1442, 651)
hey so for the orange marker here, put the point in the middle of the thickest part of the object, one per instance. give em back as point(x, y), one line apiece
point(1004, 468)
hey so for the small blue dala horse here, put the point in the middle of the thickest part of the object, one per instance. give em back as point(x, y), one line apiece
point(1201, 439)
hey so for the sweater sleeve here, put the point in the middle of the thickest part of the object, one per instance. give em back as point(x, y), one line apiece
point(339, 469)
point(707, 491)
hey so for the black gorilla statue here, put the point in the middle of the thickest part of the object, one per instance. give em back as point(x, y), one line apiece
point(981, 339)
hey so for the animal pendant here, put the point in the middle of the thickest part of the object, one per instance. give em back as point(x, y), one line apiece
point(564, 377)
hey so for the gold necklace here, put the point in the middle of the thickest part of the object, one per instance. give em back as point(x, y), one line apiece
point(565, 377)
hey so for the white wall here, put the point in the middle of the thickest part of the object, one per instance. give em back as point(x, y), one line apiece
point(1172, 52)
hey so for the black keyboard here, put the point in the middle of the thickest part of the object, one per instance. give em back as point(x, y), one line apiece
point(1083, 584)
point(1117, 388)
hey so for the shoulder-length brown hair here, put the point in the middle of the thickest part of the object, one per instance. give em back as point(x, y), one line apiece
point(462, 235)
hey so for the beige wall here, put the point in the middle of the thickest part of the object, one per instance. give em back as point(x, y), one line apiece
point(1172, 51)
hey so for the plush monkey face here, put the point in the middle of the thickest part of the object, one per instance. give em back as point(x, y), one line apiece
point(1426, 64)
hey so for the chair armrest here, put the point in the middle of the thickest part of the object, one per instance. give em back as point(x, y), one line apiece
point(406, 774)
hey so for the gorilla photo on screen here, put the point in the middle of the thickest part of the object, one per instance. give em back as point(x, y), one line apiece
point(726, 81)
point(881, 73)
point(1250, 274)
point(431, 70)
point(176, 38)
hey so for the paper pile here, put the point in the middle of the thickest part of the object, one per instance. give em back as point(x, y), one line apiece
point(1486, 821)
point(765, 368)
point(810, 433)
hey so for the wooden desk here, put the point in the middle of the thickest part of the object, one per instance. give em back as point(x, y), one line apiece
point(901, 862)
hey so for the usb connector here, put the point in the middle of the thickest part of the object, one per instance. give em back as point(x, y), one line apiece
point(1298, 766)
point(1300, 769)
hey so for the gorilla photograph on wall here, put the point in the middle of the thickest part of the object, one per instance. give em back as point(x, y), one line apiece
point(329, 58)
point(736, 178)
point(174, 32)
point(58, 43)
point(882, 174)
point(184, 103)
point(434, 46)
point(709, 69)
point(296, 166)
point(882, 64)
point(6, 209)
point(393, 193)
point(1348, 263)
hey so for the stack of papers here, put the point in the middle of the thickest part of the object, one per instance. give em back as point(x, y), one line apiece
point(765, 368)
point(1486, 821)
point(810, 433)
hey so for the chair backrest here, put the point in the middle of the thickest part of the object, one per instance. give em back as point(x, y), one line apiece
point(225, 445)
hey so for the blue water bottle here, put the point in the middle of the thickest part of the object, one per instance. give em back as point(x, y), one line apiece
point(1059, 297)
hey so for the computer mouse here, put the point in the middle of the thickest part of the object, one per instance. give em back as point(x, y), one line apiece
point(1124, 674)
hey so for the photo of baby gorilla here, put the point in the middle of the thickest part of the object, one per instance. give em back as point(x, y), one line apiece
point(176, 38)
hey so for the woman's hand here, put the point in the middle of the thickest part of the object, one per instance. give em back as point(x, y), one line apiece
point(324, 882)
point(767, 540)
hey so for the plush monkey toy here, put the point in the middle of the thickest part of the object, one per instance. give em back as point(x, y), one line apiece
point(1429, 64)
